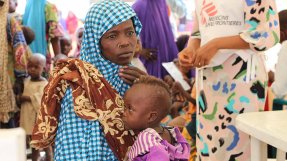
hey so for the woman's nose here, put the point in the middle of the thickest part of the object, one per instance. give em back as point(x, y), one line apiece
point(124, 42)
point(123, 45)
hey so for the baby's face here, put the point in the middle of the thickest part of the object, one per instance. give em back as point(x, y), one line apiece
point(138, 106)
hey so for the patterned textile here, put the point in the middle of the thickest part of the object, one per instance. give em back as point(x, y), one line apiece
point(235, 85)
point(93, 99)
point(151, 146)
point(18, 52)
point(51, 18)
point(225, 95)
point(7, 101)
point(77, 138)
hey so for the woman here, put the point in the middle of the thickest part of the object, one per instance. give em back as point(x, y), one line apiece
point(88, 121)
point(231, 79)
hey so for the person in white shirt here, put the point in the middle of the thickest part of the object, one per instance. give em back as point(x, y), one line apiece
point(231, 79)
point(279, 86)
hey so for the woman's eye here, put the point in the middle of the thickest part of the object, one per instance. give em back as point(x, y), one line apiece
point(112, 36)
point(131, 33)
point(129, 108)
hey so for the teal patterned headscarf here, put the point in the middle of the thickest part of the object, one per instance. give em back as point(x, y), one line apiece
point(102, 17)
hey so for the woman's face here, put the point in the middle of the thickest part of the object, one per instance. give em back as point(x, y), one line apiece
point(118, 43)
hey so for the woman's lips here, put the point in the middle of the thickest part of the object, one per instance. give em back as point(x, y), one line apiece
point(126, 55)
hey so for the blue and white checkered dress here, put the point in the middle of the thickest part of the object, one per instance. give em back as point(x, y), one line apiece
point(79, 139)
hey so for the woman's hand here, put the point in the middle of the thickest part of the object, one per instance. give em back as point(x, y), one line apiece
point(186, 55)
point(129, 74)
point(204, 54)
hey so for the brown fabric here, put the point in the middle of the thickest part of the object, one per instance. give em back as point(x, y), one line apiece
point(7, 98)
point(94, 99)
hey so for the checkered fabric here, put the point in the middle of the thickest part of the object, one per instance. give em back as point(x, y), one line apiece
point(100, 19)
point(79, 139)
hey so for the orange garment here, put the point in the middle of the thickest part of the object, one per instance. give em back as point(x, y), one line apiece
point(93, 98)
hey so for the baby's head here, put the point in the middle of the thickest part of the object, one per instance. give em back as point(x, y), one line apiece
point(66, 45)
point(59, 57)
point(147, 102)
point(35, 66)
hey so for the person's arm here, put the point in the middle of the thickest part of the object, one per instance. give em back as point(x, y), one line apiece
point(54, 29)
point(261, 33)
point(205, 53)
point(185, 56)
point(56, 45)
point(22, 99)
point(262, 26)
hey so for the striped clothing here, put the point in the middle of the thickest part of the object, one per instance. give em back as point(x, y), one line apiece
point(150, 145)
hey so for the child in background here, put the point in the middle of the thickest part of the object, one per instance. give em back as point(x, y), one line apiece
point(79, 35)
point(31, 98)
point(153, 141)
point(66, 45)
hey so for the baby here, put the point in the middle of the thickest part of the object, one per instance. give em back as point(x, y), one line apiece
point(147, 102)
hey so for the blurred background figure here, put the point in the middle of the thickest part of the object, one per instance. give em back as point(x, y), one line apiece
point(156, 36)
point(42, 17)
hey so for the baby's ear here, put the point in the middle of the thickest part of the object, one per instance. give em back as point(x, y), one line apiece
point(152, 116)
